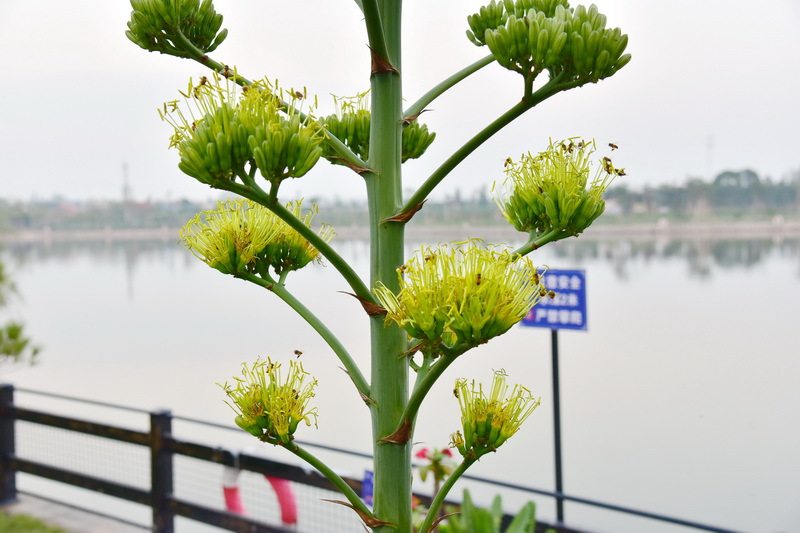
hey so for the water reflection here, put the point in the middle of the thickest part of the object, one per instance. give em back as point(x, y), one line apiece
point(702, 257)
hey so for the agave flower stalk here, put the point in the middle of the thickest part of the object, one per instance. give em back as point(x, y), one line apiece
point(247, 137)
point(248, 241)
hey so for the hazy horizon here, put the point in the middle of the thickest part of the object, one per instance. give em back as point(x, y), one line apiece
point(80, 98)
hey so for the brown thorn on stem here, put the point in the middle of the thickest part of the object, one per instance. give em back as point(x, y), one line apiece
point(380, 64)
point(369, 520)
point(371, 308)
point(413, 118)
point(367, 400)
point(405, 216)
point(400, 435)
point(414, 349)
point(438, 520)
point(355, 168)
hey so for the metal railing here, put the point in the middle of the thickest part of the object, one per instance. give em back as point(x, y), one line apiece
point(163, 447)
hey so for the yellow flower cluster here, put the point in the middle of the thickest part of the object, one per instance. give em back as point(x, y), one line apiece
point(489, 421)
point(458, 297)
point(269, 405)
point(241, 234)
point(548, 192)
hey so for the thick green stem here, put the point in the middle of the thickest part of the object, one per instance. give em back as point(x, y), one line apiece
point(426, 99)
point(327, 335)
point(334, 478)
point(251, 191)
point(389, 383)
point(413, 203)
point(438, 499)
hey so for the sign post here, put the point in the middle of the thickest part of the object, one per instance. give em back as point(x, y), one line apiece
point(567, 310)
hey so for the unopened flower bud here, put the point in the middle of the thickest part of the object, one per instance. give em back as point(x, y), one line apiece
point(218, 131)
point(351, 124)
point(180, 28)
point(533, 36)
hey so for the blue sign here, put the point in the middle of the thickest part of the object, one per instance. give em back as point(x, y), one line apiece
point(568, 309)
point(367, 487)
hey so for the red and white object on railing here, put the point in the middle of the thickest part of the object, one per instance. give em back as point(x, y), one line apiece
point(281, 487)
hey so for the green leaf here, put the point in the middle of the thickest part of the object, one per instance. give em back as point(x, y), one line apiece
point(525, 521)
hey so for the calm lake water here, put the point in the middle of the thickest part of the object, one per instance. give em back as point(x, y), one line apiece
point(682, 398)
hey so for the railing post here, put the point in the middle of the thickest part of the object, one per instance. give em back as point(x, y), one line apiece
point(8, 479)
point(161, 471)
point(557, 428)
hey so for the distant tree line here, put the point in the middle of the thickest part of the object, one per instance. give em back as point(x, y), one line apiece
point(741, 191)
point(730, 193)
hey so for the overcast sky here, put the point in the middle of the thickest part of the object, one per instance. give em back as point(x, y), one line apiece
point(713, 85)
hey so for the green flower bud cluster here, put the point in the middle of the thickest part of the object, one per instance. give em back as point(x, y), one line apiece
point(242, 236)
point(351, 124)
point(167, 25)
point(488, 421)
point(416, 140)
point(269, 405)
point(488, 17)
point(496, 13)
point(532, 36)
point(548, 192)
point(453, 298)
point(221, 131)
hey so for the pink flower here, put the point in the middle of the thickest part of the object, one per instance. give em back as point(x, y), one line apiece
point(422, 453)
point(447, 452)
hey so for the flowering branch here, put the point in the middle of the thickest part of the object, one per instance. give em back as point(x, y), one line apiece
point(536, 241)
point(412, 204)
point(426, 99)
point(253, 192)
point(347, 491)
point(438, 500)
point(338, 348)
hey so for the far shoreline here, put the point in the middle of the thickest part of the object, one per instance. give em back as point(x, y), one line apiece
point(663, 228)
